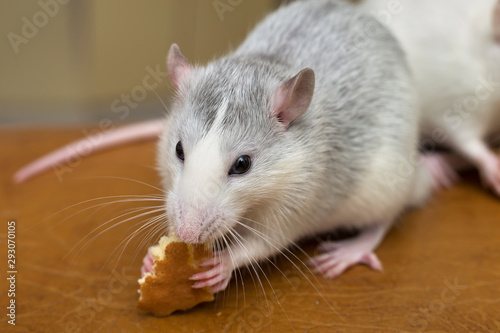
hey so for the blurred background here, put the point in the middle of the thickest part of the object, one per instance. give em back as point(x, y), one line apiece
point(66, 62)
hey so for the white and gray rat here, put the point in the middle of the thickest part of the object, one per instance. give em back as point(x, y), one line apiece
point(308, 126)
point(453, 50)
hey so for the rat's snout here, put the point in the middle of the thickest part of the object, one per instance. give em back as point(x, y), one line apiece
point(196, 201)
point(189, 232)
point(196, 205)
point(195, 225)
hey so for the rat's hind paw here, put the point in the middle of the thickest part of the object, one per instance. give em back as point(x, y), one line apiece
point(443, 175)
point(490, 173)
point(339, 256)
point(217, 278)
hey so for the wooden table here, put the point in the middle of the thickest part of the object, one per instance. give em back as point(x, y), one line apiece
point(442, 262)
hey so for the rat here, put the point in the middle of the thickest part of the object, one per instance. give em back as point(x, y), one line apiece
point(308, 126)
point(453, 50)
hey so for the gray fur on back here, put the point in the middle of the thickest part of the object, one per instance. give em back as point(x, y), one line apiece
point(361, 100)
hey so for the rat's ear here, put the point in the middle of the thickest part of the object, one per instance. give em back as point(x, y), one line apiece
point(496, 22)
point(293, 97)
point(178, 67)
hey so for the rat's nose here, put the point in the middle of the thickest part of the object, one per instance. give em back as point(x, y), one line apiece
point(189, 232)
point(194, 226)
point(191, 224)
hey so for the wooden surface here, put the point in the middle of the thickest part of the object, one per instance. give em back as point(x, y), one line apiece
point(68, 283)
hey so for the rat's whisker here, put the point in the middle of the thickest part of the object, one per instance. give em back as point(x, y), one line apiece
point(160, 227)
point(268, 259)
point(124, 243)
point(230, 242)
point(218, 253)
point(131, 211)
point(291, 242)
point(267, 239)
point(252, 261)
point(236, 271)
point(121, 247)
point(149, 197)
point(148, 212)
point(131, 180)
point(241, 239)
point(104, 204)
point(228, 247)
point(254, 274)
point(161, 100)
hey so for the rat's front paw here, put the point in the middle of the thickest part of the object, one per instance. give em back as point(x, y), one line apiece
point(148, 263)
point(217, 278)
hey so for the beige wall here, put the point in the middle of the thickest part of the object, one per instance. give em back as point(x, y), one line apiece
point(86, 54)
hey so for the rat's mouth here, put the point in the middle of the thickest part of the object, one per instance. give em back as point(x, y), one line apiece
point(212, 233)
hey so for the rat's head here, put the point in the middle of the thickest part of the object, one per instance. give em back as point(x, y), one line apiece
point(227, 141)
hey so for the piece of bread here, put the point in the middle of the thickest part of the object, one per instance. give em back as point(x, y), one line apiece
point(168, 288)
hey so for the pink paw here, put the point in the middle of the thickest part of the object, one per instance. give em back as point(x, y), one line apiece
point(148, 263)
point(490, 173)
point(339, 256)
point(443, 175)
point(217, 278)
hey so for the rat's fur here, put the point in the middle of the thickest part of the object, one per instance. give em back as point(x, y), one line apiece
point(320, 97)
point(454, 53)
point(350, 160)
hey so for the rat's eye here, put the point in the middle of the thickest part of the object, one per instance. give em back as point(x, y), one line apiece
point(179, 151)
point(241, 165)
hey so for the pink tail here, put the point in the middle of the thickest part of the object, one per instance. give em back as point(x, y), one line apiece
point(133, 133)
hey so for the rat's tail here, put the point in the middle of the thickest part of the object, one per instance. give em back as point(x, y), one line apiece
point(133, 133)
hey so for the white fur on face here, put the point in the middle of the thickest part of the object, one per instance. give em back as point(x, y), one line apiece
point(204, 168)
point(201, 184)
point(200, 181)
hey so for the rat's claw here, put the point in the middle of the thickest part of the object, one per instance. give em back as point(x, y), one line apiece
point(220, 286)
point(217, 278)
point(371, 260)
